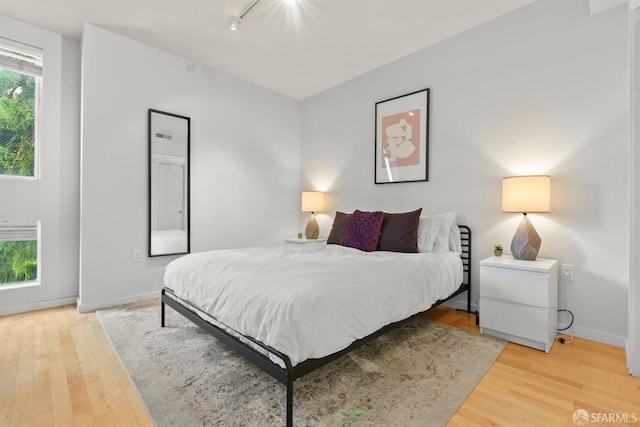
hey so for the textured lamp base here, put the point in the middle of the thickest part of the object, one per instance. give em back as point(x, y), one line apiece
point(312, 231)
point(526, 242)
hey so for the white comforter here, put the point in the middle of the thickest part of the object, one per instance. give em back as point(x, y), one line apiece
point(309, 301)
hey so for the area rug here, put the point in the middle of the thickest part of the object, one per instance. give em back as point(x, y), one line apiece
point(416, 375)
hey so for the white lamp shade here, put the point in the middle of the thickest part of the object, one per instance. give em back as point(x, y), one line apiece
point(526, 194)
point(312, 201)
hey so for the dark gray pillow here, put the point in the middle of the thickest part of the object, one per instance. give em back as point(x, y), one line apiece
point(339, 228)
point(399, 232)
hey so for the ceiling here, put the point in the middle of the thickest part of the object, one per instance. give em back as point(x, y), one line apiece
point(295, 47)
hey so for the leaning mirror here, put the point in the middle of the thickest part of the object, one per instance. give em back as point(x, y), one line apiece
point(168, 183)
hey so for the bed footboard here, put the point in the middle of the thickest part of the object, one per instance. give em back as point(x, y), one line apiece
point(285, 376)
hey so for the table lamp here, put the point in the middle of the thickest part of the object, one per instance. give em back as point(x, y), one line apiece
point(312, 201)
point(526, 194)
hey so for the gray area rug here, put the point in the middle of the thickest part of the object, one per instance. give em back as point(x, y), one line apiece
point(416, 375)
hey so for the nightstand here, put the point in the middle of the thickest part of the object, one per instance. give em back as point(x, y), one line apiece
point(305, 241)
point(519, 300)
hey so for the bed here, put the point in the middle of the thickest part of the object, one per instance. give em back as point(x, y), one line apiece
point(169, 241)
point(291, 309)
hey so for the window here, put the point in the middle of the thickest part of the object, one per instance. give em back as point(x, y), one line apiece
point(19, 254)
point(20, 88)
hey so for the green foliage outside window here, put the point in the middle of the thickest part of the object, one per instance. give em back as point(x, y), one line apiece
point(17, 123)
point(18, 261)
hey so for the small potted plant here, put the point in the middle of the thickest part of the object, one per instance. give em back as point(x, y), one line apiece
point(497, 250)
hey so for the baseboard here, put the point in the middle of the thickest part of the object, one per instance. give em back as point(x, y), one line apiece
point(601, 337)
point(461, 305)
point(37, 305)
point(633, 364)
point(627, 351)
point(588, 334)
point(83, 308)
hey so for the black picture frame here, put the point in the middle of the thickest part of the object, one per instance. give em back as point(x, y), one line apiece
point(402, 138)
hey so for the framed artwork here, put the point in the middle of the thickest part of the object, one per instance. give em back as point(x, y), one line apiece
point(402, 138)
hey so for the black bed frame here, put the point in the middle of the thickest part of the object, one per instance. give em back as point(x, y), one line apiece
point(289, 374)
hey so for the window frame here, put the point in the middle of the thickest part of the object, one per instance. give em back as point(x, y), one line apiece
point(32, 66)
point(37, 224)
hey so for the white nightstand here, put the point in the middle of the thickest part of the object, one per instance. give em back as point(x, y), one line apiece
point(297, 241)
point(519, 300)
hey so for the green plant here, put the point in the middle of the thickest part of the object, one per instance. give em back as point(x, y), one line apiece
point(17, 123)
point(498, 247)
point(18, 261)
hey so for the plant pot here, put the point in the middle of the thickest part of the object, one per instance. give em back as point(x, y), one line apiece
point(497, 252)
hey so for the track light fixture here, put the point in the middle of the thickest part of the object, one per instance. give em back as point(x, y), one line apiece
point(236, 22)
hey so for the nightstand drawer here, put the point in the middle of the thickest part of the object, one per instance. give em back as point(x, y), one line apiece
point(519, 286)
point(523, 321)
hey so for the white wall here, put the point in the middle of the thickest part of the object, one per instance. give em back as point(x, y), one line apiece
point(54, 199)
point(244, 172)
point(543, 90)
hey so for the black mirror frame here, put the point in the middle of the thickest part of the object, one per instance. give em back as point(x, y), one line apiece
point(149, 186)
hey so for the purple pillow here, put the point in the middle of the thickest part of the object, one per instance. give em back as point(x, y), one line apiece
point(363, 230)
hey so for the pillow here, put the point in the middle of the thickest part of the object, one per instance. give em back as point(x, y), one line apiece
point(364, 230)
point(339, 228)
point(455, 244)
point(442, 240)
point(399, 232)
point(434, 232)
point(428, 229)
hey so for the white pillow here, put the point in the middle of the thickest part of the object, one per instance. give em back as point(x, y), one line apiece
point(455, 244)
point(428, 228)
point(438, 233)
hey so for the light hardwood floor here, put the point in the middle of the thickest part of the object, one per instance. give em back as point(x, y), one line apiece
point(529, 387)
point(57, 368)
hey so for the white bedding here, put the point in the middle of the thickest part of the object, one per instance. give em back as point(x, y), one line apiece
point(309, 301)
point(169, 241)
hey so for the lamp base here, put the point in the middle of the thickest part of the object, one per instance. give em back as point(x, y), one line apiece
point(526, 242)
point(312, 230)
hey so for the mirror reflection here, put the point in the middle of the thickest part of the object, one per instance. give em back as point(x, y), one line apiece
point(168, 183)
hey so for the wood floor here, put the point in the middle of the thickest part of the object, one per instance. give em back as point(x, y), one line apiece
point(529, 387)
point(57, 368)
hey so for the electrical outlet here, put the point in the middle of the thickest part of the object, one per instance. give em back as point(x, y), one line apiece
point(566, 272)
point(137, 255)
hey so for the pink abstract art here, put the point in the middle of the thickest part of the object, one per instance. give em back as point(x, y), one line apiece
point(401, 139)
